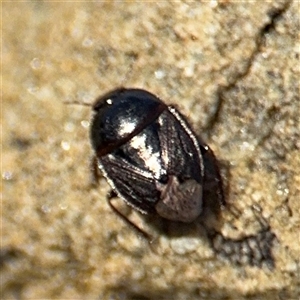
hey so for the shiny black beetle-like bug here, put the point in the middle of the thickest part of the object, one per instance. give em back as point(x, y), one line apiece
point(149, 154)
point(154, 161)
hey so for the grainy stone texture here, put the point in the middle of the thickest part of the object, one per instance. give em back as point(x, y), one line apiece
point(233, 68)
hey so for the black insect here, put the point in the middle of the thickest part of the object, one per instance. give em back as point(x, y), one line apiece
point(149, 154)
point(154, 161)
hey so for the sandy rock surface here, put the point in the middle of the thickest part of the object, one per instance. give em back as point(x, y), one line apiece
point(232, 69)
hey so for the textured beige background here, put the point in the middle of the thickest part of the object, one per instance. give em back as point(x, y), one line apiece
point(59, 238)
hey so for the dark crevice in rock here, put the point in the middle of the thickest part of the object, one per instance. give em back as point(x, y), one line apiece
point(275, 14)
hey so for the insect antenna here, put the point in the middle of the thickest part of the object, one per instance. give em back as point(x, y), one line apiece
point(75, 102)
